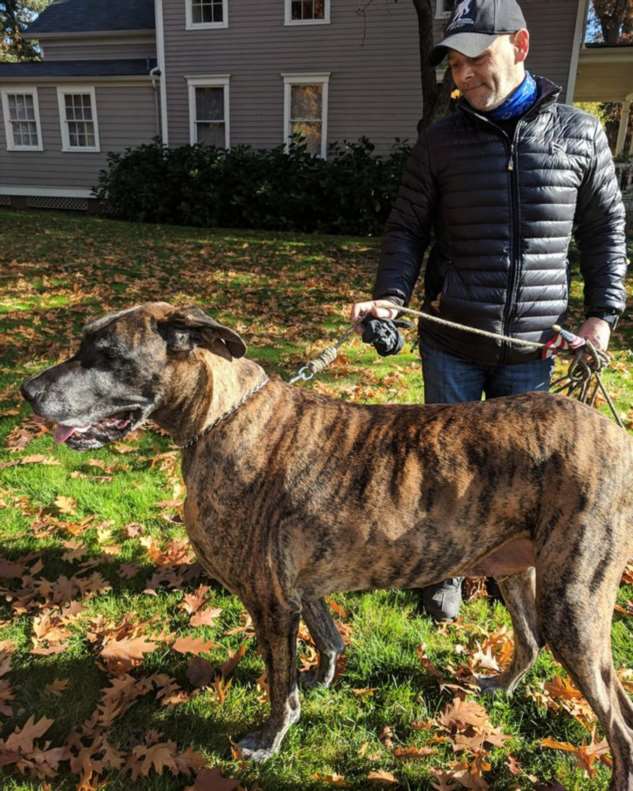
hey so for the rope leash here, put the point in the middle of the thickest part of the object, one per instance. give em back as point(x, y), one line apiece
point(582, 380)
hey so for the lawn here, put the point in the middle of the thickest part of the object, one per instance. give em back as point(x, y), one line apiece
point(122, 665)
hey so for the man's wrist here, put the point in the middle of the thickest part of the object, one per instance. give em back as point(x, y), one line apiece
point(610, 316)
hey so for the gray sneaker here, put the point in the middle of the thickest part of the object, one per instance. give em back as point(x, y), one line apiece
point(442, 601)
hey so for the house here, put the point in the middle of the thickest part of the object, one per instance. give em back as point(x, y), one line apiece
point(226, 72)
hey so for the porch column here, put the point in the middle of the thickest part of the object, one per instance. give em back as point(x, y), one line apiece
point(624, 125)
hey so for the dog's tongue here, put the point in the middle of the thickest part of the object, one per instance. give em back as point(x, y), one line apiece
point(63, 432)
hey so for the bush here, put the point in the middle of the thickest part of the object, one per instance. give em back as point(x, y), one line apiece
point(285, 189)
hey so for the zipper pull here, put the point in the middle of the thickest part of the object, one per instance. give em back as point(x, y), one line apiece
point(511, 160)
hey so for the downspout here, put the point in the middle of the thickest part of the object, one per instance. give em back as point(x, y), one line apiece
point(155, 75)
point(160, 55)
point(579, 35)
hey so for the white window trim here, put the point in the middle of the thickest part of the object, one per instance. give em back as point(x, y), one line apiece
point(31, 90)
point(307, 79)
point(441, 9)
point(191, 25)
point(288, 20)
point(222, 80)
point(62, 90)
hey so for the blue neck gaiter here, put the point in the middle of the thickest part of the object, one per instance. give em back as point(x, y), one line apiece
point(518, 102)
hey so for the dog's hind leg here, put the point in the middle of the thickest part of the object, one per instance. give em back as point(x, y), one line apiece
point(575, 601)
point(276, 631)
point(519, 595)
point(327, 639)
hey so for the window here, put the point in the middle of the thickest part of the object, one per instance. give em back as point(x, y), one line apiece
point(443, 8)
point(78, 118)
point(307, 12)
point(206, 14)
point(209, 110)
point(305, 109)
point(22, 120)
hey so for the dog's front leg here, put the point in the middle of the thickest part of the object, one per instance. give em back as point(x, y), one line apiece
point(276, 633)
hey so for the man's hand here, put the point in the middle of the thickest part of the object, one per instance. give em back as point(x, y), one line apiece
point(379, 308)
point(597, 331)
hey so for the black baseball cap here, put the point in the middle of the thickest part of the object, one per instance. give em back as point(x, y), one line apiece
point(475, 24)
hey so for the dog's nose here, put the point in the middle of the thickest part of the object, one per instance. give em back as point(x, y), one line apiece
point(29, 390)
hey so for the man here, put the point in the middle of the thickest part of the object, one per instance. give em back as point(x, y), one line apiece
point(499, 185)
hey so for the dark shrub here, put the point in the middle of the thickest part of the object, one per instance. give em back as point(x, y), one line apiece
point(287, 189)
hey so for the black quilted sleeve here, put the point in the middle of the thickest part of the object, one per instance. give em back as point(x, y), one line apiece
point(408, 228)
point(600, 231)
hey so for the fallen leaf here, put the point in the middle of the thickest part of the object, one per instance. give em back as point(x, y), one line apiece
point(212, 780)
point(200, 672)
point(382, 777)
point(193, 645)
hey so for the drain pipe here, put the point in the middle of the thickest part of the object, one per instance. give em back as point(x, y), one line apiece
point(155, 74)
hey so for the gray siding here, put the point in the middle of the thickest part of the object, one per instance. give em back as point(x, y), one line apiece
point(106, 48)
point(374, 64)
point(126, 116)
point(374, 83)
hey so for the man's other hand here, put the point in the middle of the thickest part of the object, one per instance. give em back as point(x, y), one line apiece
point(597, 331)
point(379, 308)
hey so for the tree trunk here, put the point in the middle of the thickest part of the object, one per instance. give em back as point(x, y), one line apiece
point(435, 98)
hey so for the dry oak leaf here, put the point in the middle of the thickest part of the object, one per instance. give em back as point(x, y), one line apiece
point(331, 780)
point(21, 740)
point(413, 752)
point(461, 714)
point(157, 757)
point(6, 696)
point(200, 673)
point(213, 780)
point(231, 663)
point(66, 505)
point(127, 651)
point(382, 777)
point(193, 645)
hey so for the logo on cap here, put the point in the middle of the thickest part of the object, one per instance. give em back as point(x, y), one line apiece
point(464, 14)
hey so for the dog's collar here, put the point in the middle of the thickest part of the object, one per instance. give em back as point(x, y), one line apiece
point(248, 394)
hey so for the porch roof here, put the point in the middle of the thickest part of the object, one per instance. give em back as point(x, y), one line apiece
point(77, 68)
point(605, 73)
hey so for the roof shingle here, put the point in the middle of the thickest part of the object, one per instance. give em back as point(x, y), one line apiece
point(83, 16)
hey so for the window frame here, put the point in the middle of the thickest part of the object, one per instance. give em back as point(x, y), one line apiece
point(322, 78)
point(288, 20)
point(62, 92)
point(27, 90)
point(191, 25)
point(441, 10)
point(212, 81)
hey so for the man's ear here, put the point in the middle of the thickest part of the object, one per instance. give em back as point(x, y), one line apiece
point(190, 326)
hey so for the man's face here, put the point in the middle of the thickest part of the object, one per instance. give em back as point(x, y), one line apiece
point(487, 80)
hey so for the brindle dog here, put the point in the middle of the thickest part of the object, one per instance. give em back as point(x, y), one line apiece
point(292, 496)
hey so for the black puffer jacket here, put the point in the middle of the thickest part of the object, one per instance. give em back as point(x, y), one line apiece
point(502, 214)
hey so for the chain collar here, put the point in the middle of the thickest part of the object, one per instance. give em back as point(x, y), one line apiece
point(248, 394)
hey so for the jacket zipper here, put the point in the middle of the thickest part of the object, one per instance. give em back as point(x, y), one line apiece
point(513, 169)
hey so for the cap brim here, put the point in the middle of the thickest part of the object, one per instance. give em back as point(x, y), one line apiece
point(469, 44)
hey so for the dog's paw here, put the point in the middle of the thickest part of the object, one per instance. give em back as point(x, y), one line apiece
point(310, 679)
point(256, 748)
point(490, 685)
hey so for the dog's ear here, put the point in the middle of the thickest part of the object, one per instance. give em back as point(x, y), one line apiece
point(190, 326)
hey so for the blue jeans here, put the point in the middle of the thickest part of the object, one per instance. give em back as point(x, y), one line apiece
point(449, 380)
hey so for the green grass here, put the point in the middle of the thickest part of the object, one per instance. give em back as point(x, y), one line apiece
point(289, 296)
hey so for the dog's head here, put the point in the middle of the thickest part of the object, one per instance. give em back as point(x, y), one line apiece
point(121, 370)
